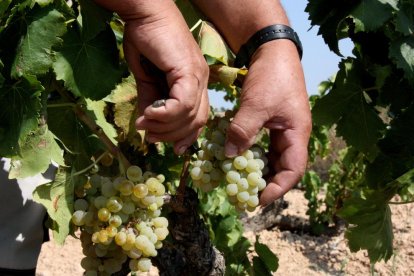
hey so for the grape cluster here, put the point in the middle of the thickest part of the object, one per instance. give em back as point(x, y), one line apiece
point(242, 174)
point(120, 220)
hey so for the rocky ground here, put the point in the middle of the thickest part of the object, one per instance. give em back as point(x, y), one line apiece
point(299, 253)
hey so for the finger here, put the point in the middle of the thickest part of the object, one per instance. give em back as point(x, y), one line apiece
point(242, 131)
point(289, 159)
point(182, 145)
point(147, 85)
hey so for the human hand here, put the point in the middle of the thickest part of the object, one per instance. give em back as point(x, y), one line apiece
point(274, 96)
point(161, 35)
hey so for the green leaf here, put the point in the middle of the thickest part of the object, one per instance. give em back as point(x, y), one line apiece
point(361, 127)
point(58, 197)
point(346, 105)
point(20, 106)
point(266, 255)
point(212, 45)
point(259, 267)
point(330, 16)
point(36, 154)
point(402, 52)
point(405, 18)
point(4, 5)
point(89, 68)
point(190, 13)
point(93, 18)
point(98, 110)
point(369, 15)
point(34, 54)
point(78, 139)
point(371, 226)
point(43, 3)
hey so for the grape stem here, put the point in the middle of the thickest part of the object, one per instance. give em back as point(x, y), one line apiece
point(183, 180)
point(90, 166)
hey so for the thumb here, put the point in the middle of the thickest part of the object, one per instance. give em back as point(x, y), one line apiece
point(242, 131)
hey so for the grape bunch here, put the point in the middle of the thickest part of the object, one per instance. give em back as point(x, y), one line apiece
point(120, 221)
point(242, 174)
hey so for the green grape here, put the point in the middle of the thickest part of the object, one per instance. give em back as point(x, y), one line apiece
point(103, 236)
point(253, 201)
point(206, 166)
point(104, 214)
point(134, 173)
point(160, 222)
point(252, 166)
point(232, 177)
point(242, 184)
point(111, 230)
point(144, 264)
point(240, 162)
point(196, 173)
point(120, 238)
point(128, 207)
point(81, 204)
point(107, 187)
point(100, 201)
point(114, 204)
point(243, 196)
point(126, 187)
point(232, 189)
point(78, 217)
point(248, 154)
point(140, 190)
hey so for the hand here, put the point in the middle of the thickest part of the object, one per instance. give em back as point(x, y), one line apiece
point(274, 96)
point(162, 36)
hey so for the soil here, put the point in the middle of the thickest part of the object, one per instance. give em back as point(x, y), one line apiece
point(298, 253)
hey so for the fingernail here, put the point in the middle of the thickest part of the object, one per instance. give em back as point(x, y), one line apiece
point(231, 150)
point(182, 149)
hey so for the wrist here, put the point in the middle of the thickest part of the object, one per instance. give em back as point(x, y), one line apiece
point(265, 36)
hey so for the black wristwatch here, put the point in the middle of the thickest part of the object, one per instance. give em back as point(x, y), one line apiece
point(264, 35)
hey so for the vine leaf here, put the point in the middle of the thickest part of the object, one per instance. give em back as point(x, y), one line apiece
point(124, 98)
point(212, 45)
point(58, 197)
point(93, 18)
point(329, 15)
point(266, 256)
point(98, 110)
point(405, 19)
point(371, 226)
point(402, 51)
point(36, 154)
point(346, 105)
point(20, 106)
point(78, 139)
point(34, 53)
point(369, 15)
point(4, 5)
point(88, 68)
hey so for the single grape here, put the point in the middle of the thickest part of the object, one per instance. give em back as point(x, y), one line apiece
point(104, 214)
point(140, 190)
point(196, 173)
point(240, 162)
point(231, 189)
point(78, 217)
point(134, 173)
point(81, 204)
